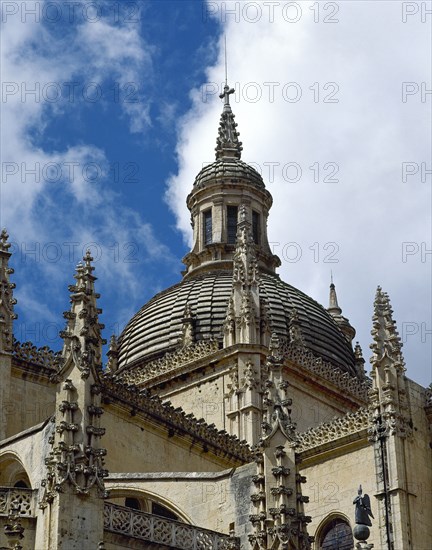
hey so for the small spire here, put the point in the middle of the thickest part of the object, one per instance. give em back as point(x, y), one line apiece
point(333, 308)
point(336, 312)
point(227, 142)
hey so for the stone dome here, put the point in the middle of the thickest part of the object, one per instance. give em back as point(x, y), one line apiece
point(157, 327)
point(231, 170)
point(229, 207)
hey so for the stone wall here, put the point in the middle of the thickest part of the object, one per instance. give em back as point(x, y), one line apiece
point(31, 400)
point(332, 483)
point(135, 446)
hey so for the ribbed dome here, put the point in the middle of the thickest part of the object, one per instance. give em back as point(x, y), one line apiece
point(157, 327)
point(232, 170)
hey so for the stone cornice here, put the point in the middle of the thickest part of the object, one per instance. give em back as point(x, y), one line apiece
point(212, 360)
point(42, 359)
point(177, 421)
point(333, 431)
point(185, 360)
point(343, 381)
point(171, 363)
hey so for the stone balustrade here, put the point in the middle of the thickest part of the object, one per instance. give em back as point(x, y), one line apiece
point(11, 497)
point(163, 531)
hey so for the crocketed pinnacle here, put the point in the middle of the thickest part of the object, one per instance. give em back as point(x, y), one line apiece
point(386, 339)
point(227, 142)
point(82, 335)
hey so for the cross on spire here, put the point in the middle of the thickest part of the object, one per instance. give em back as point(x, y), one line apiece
point(225, 96)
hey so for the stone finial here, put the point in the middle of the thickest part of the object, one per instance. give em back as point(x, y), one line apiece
point(7, 300)
point(4, 241)
point(295, 332)
point(359, 361)
point(188, 331)
point(227, 143)
point(112, 365)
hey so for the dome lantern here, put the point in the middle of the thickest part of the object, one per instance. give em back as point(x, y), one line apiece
point(218, 192)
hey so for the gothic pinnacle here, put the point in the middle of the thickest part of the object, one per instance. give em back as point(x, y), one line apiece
point(386, 339)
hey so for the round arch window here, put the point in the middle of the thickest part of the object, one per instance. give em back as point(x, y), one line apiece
point(134, 503)
point(336, 535)
point(21, 484)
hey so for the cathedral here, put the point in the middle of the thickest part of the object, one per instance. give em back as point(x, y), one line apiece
point(233, 412)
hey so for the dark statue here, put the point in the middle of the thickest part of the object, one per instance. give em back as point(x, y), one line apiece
point(363, 511)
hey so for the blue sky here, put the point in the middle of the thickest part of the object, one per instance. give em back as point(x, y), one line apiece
point(126, 111)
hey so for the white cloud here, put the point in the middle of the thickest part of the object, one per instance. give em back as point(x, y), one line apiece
point(62, 192)
point(369, 133)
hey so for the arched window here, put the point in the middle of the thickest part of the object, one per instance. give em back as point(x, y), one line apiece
point(232, 216)
point(12, 473)
point(208, 227)
point(21, 485)
point(133, 503)
point(336, 535)
point(163, 511)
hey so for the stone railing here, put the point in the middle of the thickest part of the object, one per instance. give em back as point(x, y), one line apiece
point(169, 363)
point(22, 499)
point(41, 357)
point(167, 532)
point(349, 424)
point(344, 381)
